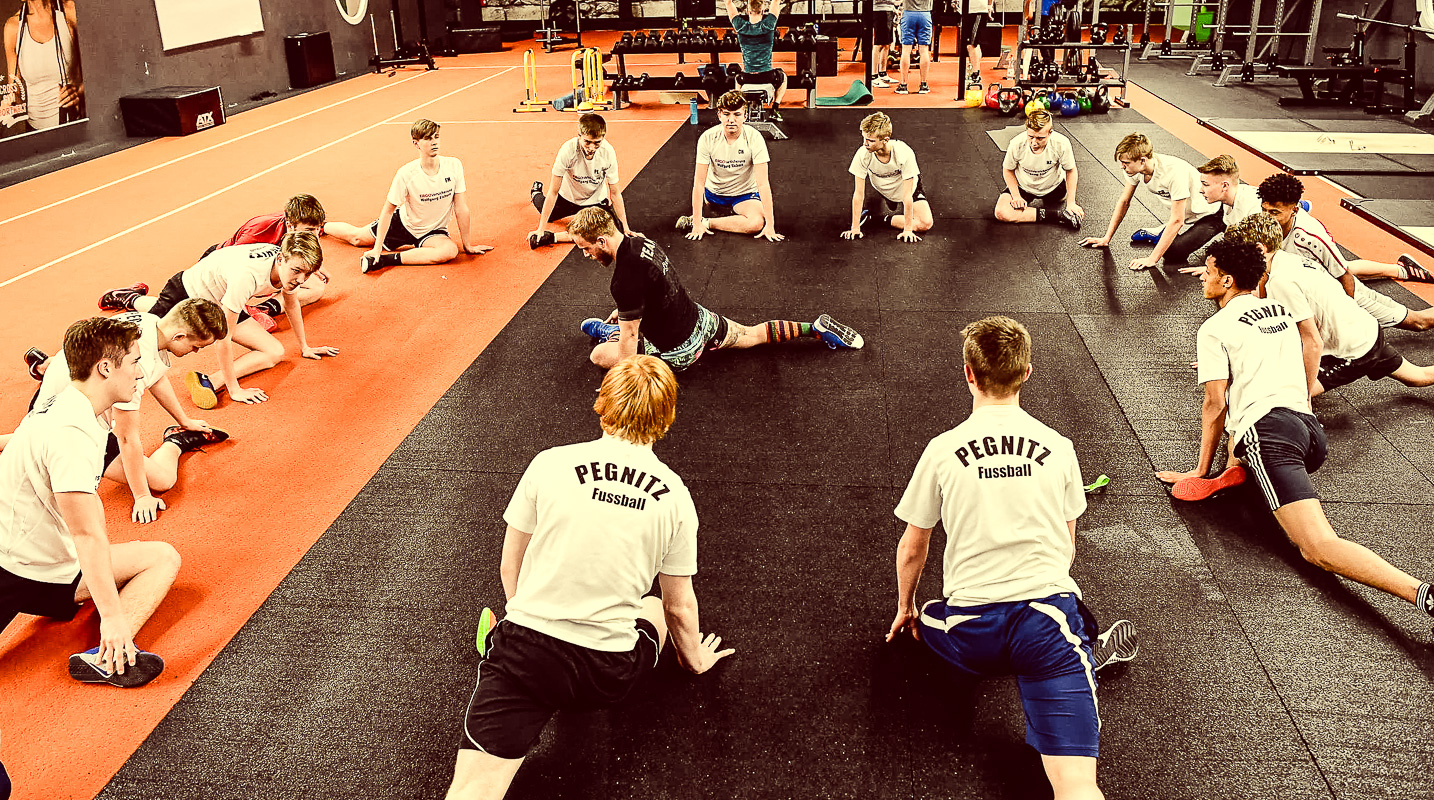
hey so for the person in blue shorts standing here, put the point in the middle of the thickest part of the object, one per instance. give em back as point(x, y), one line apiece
point(1008, 490)
point(756, 33)
point(915, 31)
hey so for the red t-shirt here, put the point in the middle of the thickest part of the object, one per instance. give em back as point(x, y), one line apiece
point(267, 229)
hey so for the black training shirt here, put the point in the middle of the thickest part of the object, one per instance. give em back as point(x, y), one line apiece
point(646, 288)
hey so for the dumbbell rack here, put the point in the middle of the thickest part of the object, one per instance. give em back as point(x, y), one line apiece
point(665, 83)
point(1117, 83)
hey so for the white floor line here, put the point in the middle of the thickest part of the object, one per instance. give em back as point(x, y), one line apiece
point(217, 192)
point(216, 146)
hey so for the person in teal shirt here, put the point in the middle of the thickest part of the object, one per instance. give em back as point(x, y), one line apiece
point(756, 32)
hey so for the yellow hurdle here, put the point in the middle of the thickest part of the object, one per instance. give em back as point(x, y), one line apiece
point(530, 102)
point(589, 82)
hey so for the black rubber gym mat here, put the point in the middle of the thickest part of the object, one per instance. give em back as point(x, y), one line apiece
point(1258, 675)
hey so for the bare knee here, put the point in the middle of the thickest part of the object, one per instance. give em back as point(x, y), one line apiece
point(1317, 550)
point(1072, 777)
point(159, 484)
point(164, 559)
point(753, 224)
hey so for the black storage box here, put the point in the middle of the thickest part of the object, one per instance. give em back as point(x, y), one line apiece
point(485, 39)
point(311, 59)
point(172, 110)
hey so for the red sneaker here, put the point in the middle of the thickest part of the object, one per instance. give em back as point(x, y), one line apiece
point(262, 317)
point(1192, 489)
point(123, 299)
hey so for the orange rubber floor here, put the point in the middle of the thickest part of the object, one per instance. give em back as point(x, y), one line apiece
point(245, 512)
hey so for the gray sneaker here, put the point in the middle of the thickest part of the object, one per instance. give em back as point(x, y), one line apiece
point(1117, 644)
point(836, 334)
point(684, 223)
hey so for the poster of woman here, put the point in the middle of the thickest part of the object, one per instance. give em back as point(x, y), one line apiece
point(43, 85)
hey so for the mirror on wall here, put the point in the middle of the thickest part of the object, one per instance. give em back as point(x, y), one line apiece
point(352, 10)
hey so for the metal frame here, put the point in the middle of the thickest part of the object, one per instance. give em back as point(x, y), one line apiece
point(1188, 48)
point(1272, 33)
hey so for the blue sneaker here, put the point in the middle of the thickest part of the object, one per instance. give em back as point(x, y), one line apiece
point(597, 329)
point(1145, 236)
point(1305, 206)
point(836, 334)
point(85, 668)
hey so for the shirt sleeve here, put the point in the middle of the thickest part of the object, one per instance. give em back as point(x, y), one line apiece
point(1066, 156)
point(1320, 251)
point(1214, 361)
point(1182, 183)
point(612, 178)
point(237, 288)
point(522, 511)
point(759, 147)
point(72, 461)
point(628, 294)
point(564, 160)
point(1075, 490)
point(921, 503)
point(1010, 163)
point(768, 23)
point(908, 163)
point(858, 168)
point(398, 190)
point(741, 24)
point(459, 185)
point(681, 556)
point(704, 149)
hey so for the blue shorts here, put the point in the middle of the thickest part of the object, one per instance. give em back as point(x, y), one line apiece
point(728, 202)
point(1046, 644)
point(916, 27)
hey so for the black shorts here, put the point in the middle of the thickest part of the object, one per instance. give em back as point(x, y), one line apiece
point(211, 249)
point(1380, 362)
point(528, 676)
point(875, 199)
point(564, 208)
point(881, 34)
point(1281, 450)
point(774, 78)
point(971, 28)
point(171, 295)
point(398, 236)
point(23, 596)
point(1055, 195)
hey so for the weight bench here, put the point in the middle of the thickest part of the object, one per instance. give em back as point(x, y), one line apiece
point(1357, 80)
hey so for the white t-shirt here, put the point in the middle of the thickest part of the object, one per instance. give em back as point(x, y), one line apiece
point(606, 516)
point(234, 276)
point(1309, 239)
point(887, 177)
point(732, 171)
point(424, 201)
point(585, 181)
point(1174, 180)
point(1247, 202)
point(1005, 486)
point(1348, 330)
point(1040, 173)
point(1254, 344)
point(59, 447)
point(153, 362)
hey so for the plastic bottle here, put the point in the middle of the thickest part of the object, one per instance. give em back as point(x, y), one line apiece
point(692, 116)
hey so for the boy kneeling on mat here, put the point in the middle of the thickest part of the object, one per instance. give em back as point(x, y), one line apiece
point(730, 189)
point(579, 557)
point(584, 174)
point(898, 200)
point(54, 552)
point(236, 277)
point(1008, 490)
point(1040, 166)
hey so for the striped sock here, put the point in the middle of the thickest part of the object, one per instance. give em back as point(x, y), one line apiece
point(1425, 599)
point(780, 330)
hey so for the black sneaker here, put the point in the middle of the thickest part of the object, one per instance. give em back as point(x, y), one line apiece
point(123, 299)
point(34, 357)
point(367, 264)
point(1118, 643)
point(774, 115)
point(901, 89)
point(272, 307)
point(541, 240)
point(1415, 272)
point(1066, 218)
point(923, 88)
point(188, 441)
point(85, 668)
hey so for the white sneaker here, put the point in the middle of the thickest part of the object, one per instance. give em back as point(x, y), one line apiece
point(881, 82)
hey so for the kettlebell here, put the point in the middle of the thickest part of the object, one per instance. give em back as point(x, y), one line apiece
point(1083, 99)
point(993, 99)
point(1009, 100)
point(1069, 106)
point(1100, 101)
point(974, 96)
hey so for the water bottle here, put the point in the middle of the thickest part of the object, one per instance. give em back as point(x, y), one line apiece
point(692, 115)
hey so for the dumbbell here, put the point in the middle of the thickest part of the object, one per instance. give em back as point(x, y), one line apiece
point(669, 39)
point(729, 39)
point(733, 71)
point(807, 79)
point(1092, 72)
point(790, 37)
point(1117, 38)
point(640, 81)
point(624, 43)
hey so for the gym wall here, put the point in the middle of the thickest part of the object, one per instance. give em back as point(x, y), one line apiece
point(122, 55)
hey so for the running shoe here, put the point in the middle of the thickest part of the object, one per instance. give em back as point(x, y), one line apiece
point(1117, 644)
point(34, 358)
point(367, 264)
point(201, 390)
point(775, 115)
point(541, 240)
point(85, 668)
point(836, 334)
point(1066, 218)
point(901, 89)
point(923, 88)
point(487, 621)
point(123, 299)
point(1145, 236)
point(262, 317)
point(188, 441)
point(1407, 265)
point(881, 82)
point(975, 77)
point(1192, 489)
point(684, 223)
point(598, 330)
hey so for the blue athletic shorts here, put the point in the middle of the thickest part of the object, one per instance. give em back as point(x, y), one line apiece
point(1045, 643)
point(728, 202)
point(916, 28)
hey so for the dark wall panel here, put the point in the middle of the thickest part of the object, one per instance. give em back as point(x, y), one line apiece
point(120, 45)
